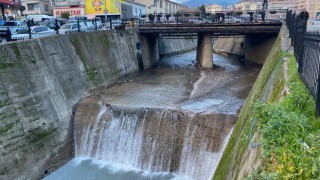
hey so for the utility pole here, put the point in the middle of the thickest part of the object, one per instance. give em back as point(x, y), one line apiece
point(105, 11)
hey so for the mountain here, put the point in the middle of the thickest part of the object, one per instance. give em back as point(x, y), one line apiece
point(196, 3)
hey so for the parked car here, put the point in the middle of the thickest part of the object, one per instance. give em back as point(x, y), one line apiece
point(69, 28)
point(36, 32)
point(14, 27)
point(198, 21)
point(231, 19)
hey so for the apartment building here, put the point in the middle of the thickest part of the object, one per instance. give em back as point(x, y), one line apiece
point(36, 7)
point(248, 6)
point(91, 8)
point(162, 6)
point(214, 8)
point(282, 4)
point(312, 6)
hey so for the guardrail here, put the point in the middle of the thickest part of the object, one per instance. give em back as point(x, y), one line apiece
point(29, 30)
point(195, 18)
point(307, 52)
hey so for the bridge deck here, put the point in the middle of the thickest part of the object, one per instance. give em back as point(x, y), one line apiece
point(218, 29)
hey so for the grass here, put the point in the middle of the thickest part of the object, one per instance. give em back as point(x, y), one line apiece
point(290, 134)
point(6, 128)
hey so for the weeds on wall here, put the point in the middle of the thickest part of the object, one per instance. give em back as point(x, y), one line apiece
point(290, 134)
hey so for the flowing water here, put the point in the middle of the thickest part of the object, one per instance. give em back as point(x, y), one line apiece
point(171, 122)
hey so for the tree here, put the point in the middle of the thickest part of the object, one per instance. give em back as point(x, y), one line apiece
point(202, 10)
point(65, 15)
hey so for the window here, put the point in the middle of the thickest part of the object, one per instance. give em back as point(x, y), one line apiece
point(160, 3)
point(31, 7)
point(46, 8)
point(126, 11)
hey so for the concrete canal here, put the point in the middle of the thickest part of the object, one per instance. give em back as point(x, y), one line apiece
point(169, 122)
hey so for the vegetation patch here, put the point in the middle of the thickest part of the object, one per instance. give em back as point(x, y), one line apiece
point(5, 63)
point(4, 171)
point(4, 102)
point(91, 71)
point(290, 135)
point(16, 50)
point(5, 129)
point(40, 135)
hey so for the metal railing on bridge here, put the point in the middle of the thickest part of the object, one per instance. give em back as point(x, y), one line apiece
point(307, 53)
point(196, 18)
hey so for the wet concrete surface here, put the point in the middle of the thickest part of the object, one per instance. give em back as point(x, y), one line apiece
point(177, 83)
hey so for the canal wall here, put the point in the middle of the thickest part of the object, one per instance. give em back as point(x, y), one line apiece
point(41, 80)
point(253, 48)
point(168, 47)
point(239, 158)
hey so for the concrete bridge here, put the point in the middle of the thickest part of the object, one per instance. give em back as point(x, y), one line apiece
point(257, 34)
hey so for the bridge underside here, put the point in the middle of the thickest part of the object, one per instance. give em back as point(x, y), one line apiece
point(205, 32)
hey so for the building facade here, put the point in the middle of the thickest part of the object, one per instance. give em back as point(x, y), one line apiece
point(91, 8)
point(162, 6)
point(36, 7)
point(282, 4)
point(214, 8)
point(4, 4)
point(246, 6)
point(312, 6)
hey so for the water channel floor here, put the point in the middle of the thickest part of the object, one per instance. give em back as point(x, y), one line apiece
point(176, 85)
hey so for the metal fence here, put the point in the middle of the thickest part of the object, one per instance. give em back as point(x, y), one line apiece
point(307, 53)
point(19, 30)
point(196, 18)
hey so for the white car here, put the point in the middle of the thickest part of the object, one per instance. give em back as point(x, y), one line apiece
point(36, 32)
point(69, 28)
point(231, 19)
point(199, 21)
point(14, 27)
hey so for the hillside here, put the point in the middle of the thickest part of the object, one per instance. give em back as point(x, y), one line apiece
point(193, 3)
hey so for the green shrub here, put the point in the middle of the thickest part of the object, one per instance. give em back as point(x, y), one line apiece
point(290, 135)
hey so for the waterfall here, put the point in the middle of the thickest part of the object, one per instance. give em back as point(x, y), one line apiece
point(155, 140)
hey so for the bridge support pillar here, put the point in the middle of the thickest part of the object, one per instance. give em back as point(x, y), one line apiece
point(205, 51)
point(150, 52)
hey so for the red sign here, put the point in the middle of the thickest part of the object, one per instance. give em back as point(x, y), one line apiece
point(72, 12)
point(6, 1)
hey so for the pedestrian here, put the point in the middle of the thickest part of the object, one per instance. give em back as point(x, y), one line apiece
point(304, 15)
point(8, 35)
point(32, 22)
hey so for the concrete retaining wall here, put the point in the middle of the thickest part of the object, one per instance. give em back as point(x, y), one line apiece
point(254, 48)
point(41, 80)
point(239, 158)
point(173, 46)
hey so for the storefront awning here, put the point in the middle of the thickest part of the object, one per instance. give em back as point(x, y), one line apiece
point(6, 2)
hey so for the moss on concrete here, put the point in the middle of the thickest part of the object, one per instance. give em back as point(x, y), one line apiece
point(4, 102)
point(4, 62)
point(16, 50)
point(40, 135)
point(231, 161)
point(6, 128)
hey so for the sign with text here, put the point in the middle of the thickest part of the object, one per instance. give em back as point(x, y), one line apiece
point(99, 6)
point(72, 11)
